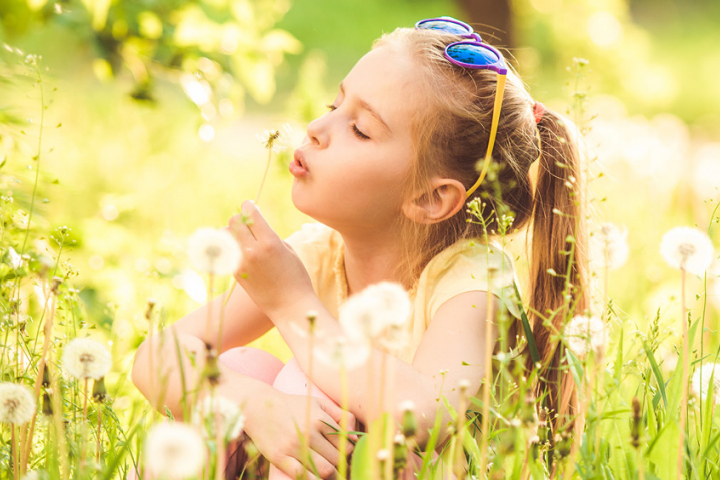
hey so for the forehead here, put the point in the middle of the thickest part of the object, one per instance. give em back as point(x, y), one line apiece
point(383, 79)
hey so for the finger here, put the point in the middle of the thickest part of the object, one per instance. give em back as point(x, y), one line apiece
point(323, 467)
point(322, 445)
point(260, 228)
point(336, 413)
point(293, 468)
point(241, 231)
point(334, 438)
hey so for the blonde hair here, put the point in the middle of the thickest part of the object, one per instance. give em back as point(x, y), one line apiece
point(450, 135)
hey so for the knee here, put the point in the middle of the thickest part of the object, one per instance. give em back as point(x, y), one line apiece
point(252, 362)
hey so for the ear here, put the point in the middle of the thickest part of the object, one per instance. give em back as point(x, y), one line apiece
point(443, 200)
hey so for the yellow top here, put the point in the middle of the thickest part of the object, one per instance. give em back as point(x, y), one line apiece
point(460, 268)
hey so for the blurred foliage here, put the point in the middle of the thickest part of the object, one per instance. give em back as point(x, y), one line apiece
point(230, 46)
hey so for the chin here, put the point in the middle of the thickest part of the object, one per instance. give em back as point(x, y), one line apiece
point(310, 209)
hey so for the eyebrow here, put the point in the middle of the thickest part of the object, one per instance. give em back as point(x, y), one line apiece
point(370, 110)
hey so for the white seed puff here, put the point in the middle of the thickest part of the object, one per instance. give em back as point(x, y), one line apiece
point(174, 450)
point(609, 246)
point(584, 334)
point(701, 381)
point(688, 249)
point(232, 420)
point(17, 403)
point(214, 251)
point(85, 358)
point(379, 312)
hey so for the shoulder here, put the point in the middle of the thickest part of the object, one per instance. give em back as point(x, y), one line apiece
point(473, 267)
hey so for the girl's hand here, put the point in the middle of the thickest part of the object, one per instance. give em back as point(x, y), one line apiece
point(270, 271)
point(280, 425)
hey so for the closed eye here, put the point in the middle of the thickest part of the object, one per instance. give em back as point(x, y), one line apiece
point(357, 132)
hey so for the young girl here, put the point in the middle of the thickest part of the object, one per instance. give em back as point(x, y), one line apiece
point(388, 172)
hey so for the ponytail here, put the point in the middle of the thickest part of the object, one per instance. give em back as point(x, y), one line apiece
point(558, 265)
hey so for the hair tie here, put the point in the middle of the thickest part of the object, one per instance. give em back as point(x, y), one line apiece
point(538, 111)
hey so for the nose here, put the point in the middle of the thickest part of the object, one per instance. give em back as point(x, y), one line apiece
point(317, 131)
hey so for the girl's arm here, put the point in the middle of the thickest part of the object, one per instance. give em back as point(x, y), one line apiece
point(272, 417)
point(454, 344)
point(243, 322)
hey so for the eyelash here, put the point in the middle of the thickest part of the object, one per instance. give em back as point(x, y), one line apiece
point(358, 133)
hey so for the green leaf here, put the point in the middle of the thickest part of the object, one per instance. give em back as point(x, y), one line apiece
point(360, 467)
point(656, 371)
point(662, 451)
point(534, 353)
point(619, 358)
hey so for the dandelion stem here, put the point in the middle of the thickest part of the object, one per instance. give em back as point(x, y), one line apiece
point(457, 466)
point(37, 157)
point(311, 342)
point(85, 420)
point(209, 307)
point(47, 332)
point(226, 295)
point(15, 454)
point(219, 440)
point(99, 433)
point(488, 379)
point(390, 428)
point(267, 167)
point(344, 400)
point(683, 407)
point(61, 441)
point(373, 410)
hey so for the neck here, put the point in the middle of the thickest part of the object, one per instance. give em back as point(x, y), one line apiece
point(369, 261)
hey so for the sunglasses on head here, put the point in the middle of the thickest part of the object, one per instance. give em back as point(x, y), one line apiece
point(473, 53)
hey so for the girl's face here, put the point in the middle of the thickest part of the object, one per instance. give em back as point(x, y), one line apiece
point(358, 153)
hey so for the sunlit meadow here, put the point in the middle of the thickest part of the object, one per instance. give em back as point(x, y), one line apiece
point(109, 210)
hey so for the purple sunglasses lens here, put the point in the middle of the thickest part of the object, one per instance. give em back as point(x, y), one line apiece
point(450, 27)
point(473, 54)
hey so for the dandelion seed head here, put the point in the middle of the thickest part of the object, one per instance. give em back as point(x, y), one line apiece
point(380, 312)
point(407, 406)
point(16, 260)
point(17, 403)
point(232, 420)
point(688, 249)
point(701, 381)
point(174, 450)
point(276, 140)
point(342, 350)
point(85, 358)
point(584, 334)
point(609, 246)
point(214, 251)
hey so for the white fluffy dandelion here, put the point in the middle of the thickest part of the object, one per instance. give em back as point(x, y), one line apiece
point(276, 140)
point(688, 249)
point(14, 259)
point(610, 248)
point(380, 312)
point(584, 334)
point(17, 403)
point(214, 251)
point(85, 358)
point(174, 450)
point(701, 381)
point(232, 420)
point(342, 350)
